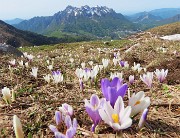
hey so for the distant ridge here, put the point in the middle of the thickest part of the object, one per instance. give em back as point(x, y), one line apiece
point(95, 22)
point(14, 21)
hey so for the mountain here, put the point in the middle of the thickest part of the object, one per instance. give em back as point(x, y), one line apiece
point(165, 12)
point(14, 21)
point(173, 19)
point(15, 37)
point(144, 17)
point(86, 21)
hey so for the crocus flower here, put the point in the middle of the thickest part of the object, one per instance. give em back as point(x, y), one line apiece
point(105, 62)
point(13, 62)
point(47, 78)
point(118, 117)
point(71, 60)
point(92, 108)
point(57, 76)
point(47, 61)
point(137, 67)
point(30, 57)
point(17, 127)
point(6, 95)
point(161, 75)
point(100, 67)
point(122, 63)
point(34, 72)
point(83, 64)
point(27, 64)
point(147, 78)
point(66, 109)
point(116, 74)
point(90, 63)
point(50, 67)
point(71, 128)
point(138, 102)
point(111, 90)
point(115, 61)
point(131, 79)
point(143, 118)
point(21, 63)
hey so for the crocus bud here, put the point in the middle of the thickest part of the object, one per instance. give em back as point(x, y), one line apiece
point(143, 118)
point(6, 95)
point(17, 127)
point(131, 79)
point(34, 72)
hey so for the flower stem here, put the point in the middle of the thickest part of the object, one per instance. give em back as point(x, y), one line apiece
point(119, 134)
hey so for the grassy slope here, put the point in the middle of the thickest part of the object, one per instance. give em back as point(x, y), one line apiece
point(168, 29)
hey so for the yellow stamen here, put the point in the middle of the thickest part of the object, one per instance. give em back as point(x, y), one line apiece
point(95, 106)
point(138, 102)
point(115, 118)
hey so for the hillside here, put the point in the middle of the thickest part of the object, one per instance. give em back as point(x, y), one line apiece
point(96, 22)
point(15, 37)
point(168, 29)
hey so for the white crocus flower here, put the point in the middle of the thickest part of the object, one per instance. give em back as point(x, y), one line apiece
point(90, 63)
point(115, 61)
point(118, 117)
point(30, 57)
point(6, 95)
point(100, 67)
point(27, 64)
point(105, 62)
point(79, 72)
point(47, 78)
point(138, 102)
point(116, 74)
point(21, 63)
point(71, 60)
point(136, 67)
point(50, 67)
point(34, 72)
point(17, 127)
point(25, 54)
point(13, 62)
point(83, 64)
point(47, 61)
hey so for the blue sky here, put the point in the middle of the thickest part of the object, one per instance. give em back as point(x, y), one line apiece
point(10, 9)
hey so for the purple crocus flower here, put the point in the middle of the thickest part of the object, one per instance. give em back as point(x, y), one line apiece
point(92, 108)
point(161, 74)
point(56, 72)
point(111, 90)
point(71, 128)
point(147, 79)
point(143, 118)
point(122, 63)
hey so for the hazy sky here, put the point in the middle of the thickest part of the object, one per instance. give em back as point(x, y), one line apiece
point(10, 9)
